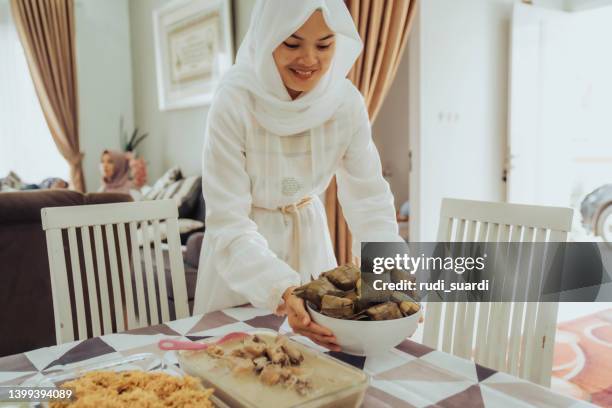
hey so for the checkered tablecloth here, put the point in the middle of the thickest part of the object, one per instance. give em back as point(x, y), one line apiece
point(412, 375)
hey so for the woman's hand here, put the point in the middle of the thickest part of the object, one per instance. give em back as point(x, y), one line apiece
point(301, 323)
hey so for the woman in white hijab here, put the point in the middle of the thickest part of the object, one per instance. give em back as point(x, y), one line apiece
point(283, 122)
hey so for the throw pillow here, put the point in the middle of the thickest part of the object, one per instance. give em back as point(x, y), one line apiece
point(12, 182)
point(185, 226)
point(185, 193)
point(169, 177)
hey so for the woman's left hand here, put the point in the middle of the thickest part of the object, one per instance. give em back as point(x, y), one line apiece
point(301, 323)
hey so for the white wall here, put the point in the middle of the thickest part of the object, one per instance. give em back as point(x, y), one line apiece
point(460, 65)
point(413, 112)
point(176, 137)
point(390, 133)
point(242, 17)
point(576, 5)
point(458, 104)
point(104, 78)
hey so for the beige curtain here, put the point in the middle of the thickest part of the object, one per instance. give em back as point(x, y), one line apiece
point(384, 27)
point(46, 30)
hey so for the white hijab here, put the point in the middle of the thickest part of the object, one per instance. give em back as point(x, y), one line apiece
point(273, 21)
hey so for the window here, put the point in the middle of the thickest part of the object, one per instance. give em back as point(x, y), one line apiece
point(26, 145)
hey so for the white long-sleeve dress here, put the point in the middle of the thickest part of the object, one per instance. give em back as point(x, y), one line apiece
point(248, 173)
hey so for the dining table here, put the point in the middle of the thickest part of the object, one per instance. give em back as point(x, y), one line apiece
point(410, 375)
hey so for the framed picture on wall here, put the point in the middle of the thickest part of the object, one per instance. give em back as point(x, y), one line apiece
point(193, 48)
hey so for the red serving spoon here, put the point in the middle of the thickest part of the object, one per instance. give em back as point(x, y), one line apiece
point(171, 344)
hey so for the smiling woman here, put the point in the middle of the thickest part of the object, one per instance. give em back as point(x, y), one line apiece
point(305, 57)
point(284, 120)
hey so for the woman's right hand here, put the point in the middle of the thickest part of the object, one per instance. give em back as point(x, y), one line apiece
point(301, 323)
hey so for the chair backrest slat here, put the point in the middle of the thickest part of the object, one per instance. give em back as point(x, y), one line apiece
point(149, 275)
point(530, 343)
point(449, 318)
point(464, 322)
point(119, 294)
point(107, 326)
point(489, 233)
point(59, 286)
point(518, 316)
point(127, 276)
point(91, 283)
point(478, 324)
point(431, 332)
point(179, 289)
point(471, 231)
point(505, 308)
point(76, 281)
point(546, 325)
point(515, 337)
point(161, 278)
point(114, 268)
point(460, 232)
point(140, 293)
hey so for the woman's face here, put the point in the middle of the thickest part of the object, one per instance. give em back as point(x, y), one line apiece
point(304, 57)
point(107, 165)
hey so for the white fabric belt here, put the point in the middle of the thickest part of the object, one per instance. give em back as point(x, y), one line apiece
point(293, 210)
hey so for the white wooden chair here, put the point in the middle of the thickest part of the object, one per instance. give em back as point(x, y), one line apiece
point(110, 222)
point(514, 337)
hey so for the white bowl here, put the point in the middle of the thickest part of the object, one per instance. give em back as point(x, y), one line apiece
point(368, 337)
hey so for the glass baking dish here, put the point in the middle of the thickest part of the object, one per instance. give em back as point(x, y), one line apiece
point(235, 392)
point(146, 362)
